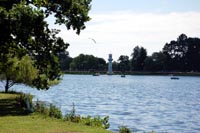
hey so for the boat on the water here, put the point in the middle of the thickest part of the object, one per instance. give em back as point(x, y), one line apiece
point(123, 75)
point(174, 77)
point(96, 74)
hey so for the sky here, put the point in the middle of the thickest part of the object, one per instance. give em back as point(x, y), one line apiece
point(118, 26)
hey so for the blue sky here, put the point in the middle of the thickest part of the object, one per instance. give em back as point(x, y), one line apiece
point(162, 6)
point(118, 26)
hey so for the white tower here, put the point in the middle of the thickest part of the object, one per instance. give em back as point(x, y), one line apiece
point(110, 64)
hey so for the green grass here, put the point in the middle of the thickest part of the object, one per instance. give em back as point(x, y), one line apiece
point(15, 120)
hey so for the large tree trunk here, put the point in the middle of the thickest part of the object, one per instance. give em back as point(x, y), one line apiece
point(7, 86)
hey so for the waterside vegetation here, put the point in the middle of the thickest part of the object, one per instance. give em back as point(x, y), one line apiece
point(14, 117)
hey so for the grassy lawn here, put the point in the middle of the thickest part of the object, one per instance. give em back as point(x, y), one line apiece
point(14, 120)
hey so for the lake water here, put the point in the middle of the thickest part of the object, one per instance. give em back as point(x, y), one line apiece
point(143, 103)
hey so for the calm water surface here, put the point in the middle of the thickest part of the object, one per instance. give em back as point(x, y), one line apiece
point(143, 103)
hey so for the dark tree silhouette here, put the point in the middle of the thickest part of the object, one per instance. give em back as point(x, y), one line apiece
point(183, 54)
point(124, 63)
point(24, 32)
point(87, 63)
point(138, 57)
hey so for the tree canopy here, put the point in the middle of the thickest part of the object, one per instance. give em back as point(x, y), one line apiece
point(24, 32)
point(87, 63)
point(180, 55)
point(138, 57)
point(183, 54)
point(124, 63)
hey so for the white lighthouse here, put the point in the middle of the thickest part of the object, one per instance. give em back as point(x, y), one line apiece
point(110, 64)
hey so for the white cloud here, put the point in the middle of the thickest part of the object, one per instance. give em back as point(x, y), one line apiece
point(119, 32)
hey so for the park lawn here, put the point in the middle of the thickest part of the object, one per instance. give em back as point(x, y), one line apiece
point(13, 119)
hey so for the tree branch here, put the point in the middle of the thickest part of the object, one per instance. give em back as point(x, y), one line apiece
point(11, 84)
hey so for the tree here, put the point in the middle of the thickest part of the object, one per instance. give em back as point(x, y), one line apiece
point(155, 62)
point(87, 63)
point(183, 54)
point(149, 64)
point(64, 60)
point(124, 63)
point(176, 51)
point(138, 57)
point(18, 71)
point(101, 64)
point(115, 66)
point(24, 32)
point(192, 56)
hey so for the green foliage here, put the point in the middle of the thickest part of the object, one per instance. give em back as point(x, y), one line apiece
point(17, 70)
point(71, 13)
point(183, 54)
point(87, 63)
point(156, 62)
point(24, 71)
point(72, 116)
point(52, 111)
point(41, 108)
point(14, 119)
point(24, 34)
point(88, 120)
point(124, 63)
point(124, 129)
point(25, 101)
point(96, 121)
point(55, 112)
point(151, 131)
point(138, 57)
point(65, 60)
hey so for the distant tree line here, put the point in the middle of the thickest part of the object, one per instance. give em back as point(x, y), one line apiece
point(82, 63)
point(181, 55)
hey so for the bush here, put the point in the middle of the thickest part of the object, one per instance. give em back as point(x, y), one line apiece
point(55, 112)
point(88, 120)
point(96, 121)
point(25, 102)
point(52, 111)
point(40, 107)
point(124, 129)
point(72, 116)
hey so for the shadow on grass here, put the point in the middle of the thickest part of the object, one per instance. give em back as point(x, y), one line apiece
point(9, 107)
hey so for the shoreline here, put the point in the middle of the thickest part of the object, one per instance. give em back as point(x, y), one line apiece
point(136, 73)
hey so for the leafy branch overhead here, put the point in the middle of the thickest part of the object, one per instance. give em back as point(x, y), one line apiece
point(72, 13)
point(24, 32)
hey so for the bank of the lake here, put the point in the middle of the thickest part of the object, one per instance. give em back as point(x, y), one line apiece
point(13, 119)
point(136, 73)
point(143, 103)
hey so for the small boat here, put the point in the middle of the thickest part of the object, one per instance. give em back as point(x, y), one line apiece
point(174, 77)
point(123, 75)
point(96, 74)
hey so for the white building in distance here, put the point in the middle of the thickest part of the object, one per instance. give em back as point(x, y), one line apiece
point(110, 64)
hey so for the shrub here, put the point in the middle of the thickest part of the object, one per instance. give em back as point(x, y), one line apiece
point(96, 121)
point(88, 120)
point(124, 129)
point(41, 108)
point(52, 111)
point(55, 112)
point(72, 116)
point(25, 101)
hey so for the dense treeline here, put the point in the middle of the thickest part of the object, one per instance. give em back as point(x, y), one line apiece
point(181, 55)
point(82, 63)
